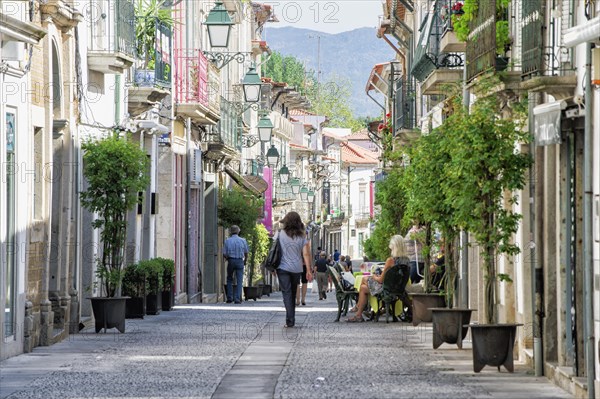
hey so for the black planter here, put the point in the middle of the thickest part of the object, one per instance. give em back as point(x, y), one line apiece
point(168, 300)
point(267, 289)
point(449, 325)
point(153, 304)
point(422, 304)
point(493, 345)
point(109, 313)
point(252, 292)
point(135, 308)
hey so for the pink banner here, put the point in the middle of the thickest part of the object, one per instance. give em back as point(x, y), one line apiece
point(268, 208)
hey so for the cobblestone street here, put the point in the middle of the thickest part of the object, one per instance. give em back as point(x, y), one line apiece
point(218, 350)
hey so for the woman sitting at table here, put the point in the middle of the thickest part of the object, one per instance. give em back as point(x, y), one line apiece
point(373, 285)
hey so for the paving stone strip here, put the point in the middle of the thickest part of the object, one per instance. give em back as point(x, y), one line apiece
point(257, 371)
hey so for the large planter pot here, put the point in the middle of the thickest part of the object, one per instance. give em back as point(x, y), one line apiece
point(168, 300)
point(135, 308)
point(153, 303)
point(422, 304)
point(267, 289)
point(109, 313)
point(493, 345)
point(252, 292)
point(449, 325)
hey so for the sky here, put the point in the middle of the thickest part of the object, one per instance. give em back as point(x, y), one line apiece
point(326, 15)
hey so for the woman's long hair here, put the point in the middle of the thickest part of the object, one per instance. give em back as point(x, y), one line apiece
point(397, 246)
point(292, 225)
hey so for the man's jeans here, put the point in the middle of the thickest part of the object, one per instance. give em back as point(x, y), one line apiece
point(288, 284)
point(235, 266)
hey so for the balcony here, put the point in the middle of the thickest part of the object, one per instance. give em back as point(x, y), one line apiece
point(282, 127)
point(224, 139)
point(152, 74)
point(63, 14)
point(112, 37)
point(542, 69)
point(193, 96)
point(434, 65)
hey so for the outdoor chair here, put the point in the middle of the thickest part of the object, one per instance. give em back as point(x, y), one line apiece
point(394, 290)
point(343, 296)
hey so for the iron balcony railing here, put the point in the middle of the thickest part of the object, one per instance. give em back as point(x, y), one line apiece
point(154, 64)
point(481, 48)
point(428, 56)
point(404, 104)
point(191, 77)
point(112, 27)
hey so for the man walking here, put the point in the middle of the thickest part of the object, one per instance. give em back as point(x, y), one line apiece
point(235, 252)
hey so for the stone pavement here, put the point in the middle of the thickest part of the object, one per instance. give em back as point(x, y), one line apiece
point(228, 350)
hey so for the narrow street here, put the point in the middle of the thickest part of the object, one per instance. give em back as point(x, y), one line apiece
point(226, 350)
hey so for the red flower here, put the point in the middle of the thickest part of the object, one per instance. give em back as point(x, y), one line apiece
point(381, 126)
point(388, 115)
point(457, 6)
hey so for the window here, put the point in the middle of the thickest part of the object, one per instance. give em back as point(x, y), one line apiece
point(353, 233)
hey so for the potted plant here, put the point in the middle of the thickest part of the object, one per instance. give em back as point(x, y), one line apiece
point(168, 283)
point(154, 284)
point(149, 16)
point(486, 170)
point(243, 209)
point(115, 170)
point(134, 287)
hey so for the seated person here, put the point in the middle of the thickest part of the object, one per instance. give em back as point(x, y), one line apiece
point(373, 285)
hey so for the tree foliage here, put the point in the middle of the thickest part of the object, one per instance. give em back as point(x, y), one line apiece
point(464, 175)
point(116, 169)
point(390, 195)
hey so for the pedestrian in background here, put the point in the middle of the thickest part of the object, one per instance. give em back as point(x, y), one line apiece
point(235, 252)
point(336, 255)
point(295, 252)
point(321, 272)
point(302, 288)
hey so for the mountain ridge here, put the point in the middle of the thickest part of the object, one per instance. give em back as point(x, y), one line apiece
point(350, 54)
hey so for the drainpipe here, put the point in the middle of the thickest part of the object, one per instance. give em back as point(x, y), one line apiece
point(588, 283)
point(464, 256)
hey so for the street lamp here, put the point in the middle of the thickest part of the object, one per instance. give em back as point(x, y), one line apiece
point(304, 194)
point(251, 84)
point(218, 23)
point(265, 128)
point(295, 186)
point(272, 156)
point(311, 196)
point(284, 174)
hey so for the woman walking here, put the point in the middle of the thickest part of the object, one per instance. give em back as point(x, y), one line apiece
point(295, 251)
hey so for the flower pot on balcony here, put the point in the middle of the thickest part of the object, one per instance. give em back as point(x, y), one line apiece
point(493, 345)
point(252, 292)
point(422, 304)
point(144, 77)
point(449, 325)
point(109, 313)
point(501, 63)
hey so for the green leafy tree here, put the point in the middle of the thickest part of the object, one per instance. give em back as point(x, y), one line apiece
point(259, 242)
point(116, 169)
point(390, 195)
point(242, 209)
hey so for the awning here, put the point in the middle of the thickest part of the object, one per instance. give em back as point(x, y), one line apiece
point(547, 122)
point(254, 184)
